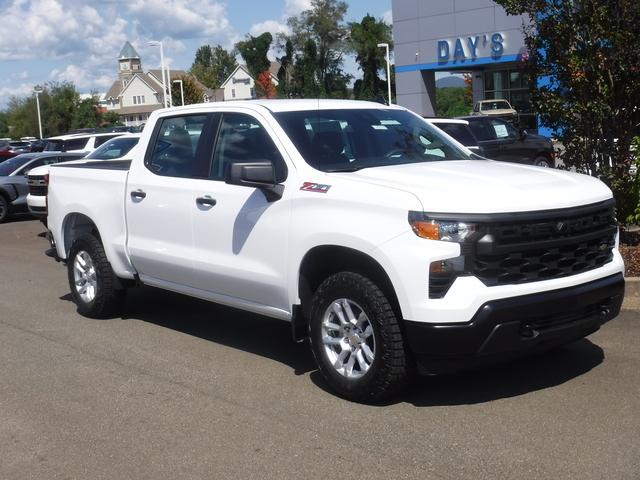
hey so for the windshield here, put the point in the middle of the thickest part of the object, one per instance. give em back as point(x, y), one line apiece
point(460, 132)
point(115, 148)
point(497, 105)
point(349, 140)
point(11, 165)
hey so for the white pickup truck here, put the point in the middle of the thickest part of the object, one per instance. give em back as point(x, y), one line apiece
point(393, 248)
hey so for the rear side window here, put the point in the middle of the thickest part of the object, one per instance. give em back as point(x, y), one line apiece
point(460, 132)
point(481, 130)
point(102, 139)
point(178, 150)
point(243, 139)
point(75, 144)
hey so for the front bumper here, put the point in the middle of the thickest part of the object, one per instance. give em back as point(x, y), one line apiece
point(516, 326)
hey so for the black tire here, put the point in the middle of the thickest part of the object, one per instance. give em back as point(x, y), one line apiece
point(390, 369)
point(4, 209)
point(542, 162)
point(109, 294)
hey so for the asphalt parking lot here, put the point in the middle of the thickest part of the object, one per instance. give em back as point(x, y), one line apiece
point(179, 388)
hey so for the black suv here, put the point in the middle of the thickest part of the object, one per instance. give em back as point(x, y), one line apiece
point(502, 141)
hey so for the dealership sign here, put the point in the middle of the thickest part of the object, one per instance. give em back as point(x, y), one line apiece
point(470, 48)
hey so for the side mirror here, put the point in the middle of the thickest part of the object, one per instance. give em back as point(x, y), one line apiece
point(260, 175)
point(523, 134)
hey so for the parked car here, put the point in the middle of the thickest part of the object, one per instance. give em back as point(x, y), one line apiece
point(496, 108)
point(115, 149)
point(460, 131)
point(12, 148)
point(389, 246)
point(500, 140)
point(13, 179)
point(78, 142)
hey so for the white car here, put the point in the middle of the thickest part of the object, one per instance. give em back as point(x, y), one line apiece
point(388, 245)
point(79, 142)
point(115, 148)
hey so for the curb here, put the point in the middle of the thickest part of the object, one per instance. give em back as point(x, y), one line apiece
point(631, 293)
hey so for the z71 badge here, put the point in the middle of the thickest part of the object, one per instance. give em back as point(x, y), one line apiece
point(315, 187)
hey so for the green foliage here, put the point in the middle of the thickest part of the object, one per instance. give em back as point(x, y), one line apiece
point(364, 40)
point(110, 119)
point(453, 102)
point(212, 66)
point(285, 73)
point(319, 39)
point(254, 53)
point(61, 110)
point(588, 52)
point(192, 91)
point(4, 124)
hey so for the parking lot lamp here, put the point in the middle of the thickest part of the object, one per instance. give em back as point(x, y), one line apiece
point(156, 43)
point(386, 47)
point(37, 91)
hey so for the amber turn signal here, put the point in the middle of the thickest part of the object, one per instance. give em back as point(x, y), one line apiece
point(426, 229)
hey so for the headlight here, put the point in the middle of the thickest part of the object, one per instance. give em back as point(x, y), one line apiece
point(448, 231)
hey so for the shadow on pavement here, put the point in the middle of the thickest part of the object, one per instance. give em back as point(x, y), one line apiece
point(271, 338)
point(251, 333)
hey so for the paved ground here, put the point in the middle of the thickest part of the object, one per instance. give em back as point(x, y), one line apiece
point(183, 389)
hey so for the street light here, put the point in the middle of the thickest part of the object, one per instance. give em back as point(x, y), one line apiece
point(37, 91)
point(156, 43)
point(181, 90)
point(386, 47)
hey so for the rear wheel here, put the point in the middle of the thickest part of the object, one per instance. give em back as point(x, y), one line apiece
point(94, 286)
point(356, 339)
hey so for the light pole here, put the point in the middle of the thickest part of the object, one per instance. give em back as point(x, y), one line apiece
point(181, 90)
point(169, 84)
point(37, 91)
point(156, 43)
point(386, 47)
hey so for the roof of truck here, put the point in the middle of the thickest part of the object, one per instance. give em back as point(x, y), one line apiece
point(293, 105)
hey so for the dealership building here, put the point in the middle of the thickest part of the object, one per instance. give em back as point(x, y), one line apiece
point(460, 36)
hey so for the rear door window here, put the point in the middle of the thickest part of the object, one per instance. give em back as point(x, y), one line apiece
point(75, 144)
point(460, 132)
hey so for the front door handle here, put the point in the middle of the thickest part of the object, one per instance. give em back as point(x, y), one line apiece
point(206, 201)
point(138, 194)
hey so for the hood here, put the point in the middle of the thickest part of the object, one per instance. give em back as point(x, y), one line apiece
point(486, 186)
point(500, 111)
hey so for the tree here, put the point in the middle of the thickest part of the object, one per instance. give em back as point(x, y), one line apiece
point(254, 53)
point(212, 66)
point(285, 72)
point(585, 54)
point(320, 33)
point(265, 85)
point(364, 39)
point(452, 102)
point(193, 93)
point(4, 124)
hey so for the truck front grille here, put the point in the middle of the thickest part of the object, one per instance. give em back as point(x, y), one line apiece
point(545, 249)
point(37, 185)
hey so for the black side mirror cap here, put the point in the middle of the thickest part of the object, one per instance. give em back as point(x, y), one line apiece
point(523, 134)
point(261, 175)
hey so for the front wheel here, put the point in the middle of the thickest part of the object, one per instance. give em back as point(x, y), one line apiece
point(356, 339)
point(4, 209)
point(94, 286)
point(542, 162)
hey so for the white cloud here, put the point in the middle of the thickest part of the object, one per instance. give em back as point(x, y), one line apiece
point(181, 18)
point(294, 7)
point(82, 78)
point(272, 26)
point(387, 17)
point(16, 90)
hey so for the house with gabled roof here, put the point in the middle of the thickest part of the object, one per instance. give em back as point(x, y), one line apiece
point(137, 93)
point(240, 85)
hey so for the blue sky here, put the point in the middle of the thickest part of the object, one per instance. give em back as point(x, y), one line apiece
point(78, 41)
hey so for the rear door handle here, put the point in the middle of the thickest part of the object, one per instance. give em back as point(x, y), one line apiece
point(138, 194)
point(206, 201)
